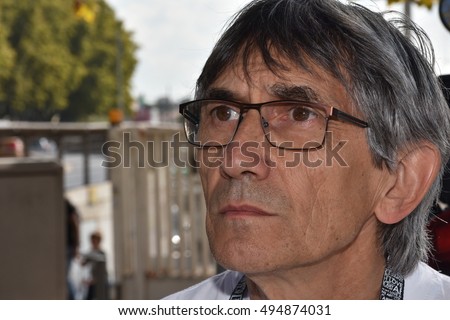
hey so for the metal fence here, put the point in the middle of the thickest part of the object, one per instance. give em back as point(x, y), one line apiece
point(158, 209)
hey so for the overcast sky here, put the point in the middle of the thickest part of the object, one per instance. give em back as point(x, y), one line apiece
point(176, 36)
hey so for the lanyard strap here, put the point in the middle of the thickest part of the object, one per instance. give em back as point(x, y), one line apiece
point(240, 290)
point(392, 287)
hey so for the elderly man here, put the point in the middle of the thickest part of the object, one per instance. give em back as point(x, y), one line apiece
point(322, 132)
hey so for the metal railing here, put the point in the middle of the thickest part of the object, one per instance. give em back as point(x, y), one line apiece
point(158, 210)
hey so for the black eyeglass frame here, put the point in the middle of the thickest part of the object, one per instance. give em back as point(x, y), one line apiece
point(332, 113)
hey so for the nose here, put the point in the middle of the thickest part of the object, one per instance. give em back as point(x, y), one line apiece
point(248, 154)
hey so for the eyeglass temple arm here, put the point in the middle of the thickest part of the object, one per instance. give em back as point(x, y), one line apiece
point(189, 116)
point(349, 118)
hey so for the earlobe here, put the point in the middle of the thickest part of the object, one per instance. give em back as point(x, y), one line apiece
point(417, 169)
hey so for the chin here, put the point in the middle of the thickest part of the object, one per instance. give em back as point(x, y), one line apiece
point(245, 259)
point(245, 250)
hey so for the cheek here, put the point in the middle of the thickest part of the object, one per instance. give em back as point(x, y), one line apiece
point(331, 202)
point(209, 171)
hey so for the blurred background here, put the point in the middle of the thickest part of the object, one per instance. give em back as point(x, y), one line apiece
point(95, 202)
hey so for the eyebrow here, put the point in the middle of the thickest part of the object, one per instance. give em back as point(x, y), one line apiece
point(280, 90)
point(294, 92)
point(220, 94)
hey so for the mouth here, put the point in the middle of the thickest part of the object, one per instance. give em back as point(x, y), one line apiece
point(243, 211)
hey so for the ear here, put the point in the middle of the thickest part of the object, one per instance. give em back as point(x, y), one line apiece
point(417, 169)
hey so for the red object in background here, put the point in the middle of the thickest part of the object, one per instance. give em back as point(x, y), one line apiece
point(11, 147)
point(440, 232)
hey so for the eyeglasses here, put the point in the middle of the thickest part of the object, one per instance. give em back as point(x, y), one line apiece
point(287, 124)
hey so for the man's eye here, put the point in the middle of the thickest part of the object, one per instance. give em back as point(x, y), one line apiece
point(302, 114)
point(224, 113)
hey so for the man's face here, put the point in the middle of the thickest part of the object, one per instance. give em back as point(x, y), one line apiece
point(288, 209)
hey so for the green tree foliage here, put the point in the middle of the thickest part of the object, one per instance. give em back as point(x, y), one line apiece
point(55, 62)
point(426, 3)
point(7, 60)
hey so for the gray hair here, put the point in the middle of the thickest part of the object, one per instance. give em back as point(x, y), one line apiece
point(389, 77)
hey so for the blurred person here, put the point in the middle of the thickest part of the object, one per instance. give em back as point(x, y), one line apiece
point(322, 132)
point(98, 277)
point(72, 243)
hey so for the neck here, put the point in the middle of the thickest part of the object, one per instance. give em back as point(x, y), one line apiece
point(354, 273)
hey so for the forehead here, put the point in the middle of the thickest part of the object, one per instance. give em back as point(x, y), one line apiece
point(290, 81)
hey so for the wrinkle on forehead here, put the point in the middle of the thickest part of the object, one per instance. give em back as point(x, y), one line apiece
point(281, 85)
point(280, 66)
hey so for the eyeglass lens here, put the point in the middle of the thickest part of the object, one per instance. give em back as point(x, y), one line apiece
point(288, 124)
